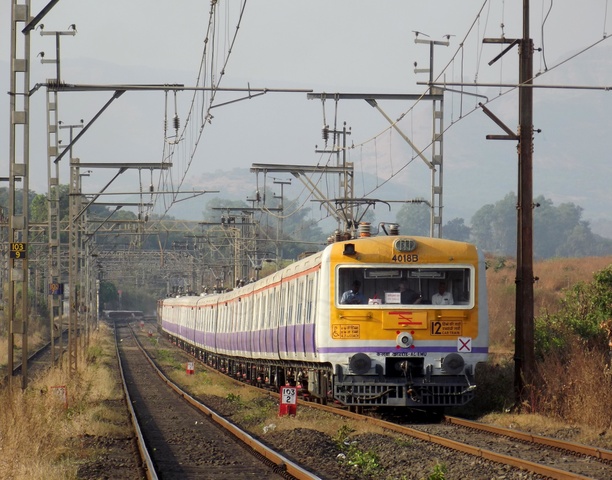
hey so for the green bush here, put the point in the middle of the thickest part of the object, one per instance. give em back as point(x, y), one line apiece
point(585, 312)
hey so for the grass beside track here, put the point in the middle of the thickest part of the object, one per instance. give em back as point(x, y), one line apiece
point(41, 437)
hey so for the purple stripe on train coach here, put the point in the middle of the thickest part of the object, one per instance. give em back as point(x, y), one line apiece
point(386, 349)
point(309, 338)
point(282, 339)
point(269, 337)
point(291, 345)
point(243, 341)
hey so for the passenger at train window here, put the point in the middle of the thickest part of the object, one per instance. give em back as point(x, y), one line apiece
point(408, 296)
point(442, 297)
point(353, 296)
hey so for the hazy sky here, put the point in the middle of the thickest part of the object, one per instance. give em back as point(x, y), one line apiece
point(328, 46)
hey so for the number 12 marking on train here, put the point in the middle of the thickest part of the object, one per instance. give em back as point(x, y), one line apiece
point(448, 328)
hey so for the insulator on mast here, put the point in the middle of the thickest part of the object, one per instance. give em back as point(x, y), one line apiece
point(177, 122)
point(325, 132)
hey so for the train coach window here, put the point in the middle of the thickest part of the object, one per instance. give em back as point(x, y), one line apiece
point(386, 285)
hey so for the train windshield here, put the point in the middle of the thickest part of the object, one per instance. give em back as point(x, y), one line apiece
point(406, 285)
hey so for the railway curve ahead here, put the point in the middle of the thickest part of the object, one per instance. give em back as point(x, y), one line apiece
point(183, 443)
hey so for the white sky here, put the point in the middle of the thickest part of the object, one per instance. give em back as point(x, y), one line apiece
point(331, 46)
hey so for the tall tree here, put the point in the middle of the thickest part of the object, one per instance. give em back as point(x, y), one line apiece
point(558, 231)
point(494, 226)
point(456, 229)
point(414, 219)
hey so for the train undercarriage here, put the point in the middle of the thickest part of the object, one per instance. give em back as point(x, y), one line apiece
point(319, 383)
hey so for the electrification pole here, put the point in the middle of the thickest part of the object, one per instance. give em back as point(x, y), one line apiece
point(525, 348)
point(279, 222)
point(17, 298)
point(524, 356)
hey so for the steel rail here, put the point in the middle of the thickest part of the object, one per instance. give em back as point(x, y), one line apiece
point(283, 464)
point(549, 472)
point(599, 453)
point(144, 451)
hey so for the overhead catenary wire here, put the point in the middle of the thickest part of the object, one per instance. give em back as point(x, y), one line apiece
point(542, 33)
point(510, 88)
point(461, 51)
point(605, 19)
point(475, 108)
point(208, 61)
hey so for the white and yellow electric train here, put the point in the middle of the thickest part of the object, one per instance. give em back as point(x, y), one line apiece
point(292, 327)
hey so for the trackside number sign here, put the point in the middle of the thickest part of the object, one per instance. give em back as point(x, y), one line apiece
point(288, 401)
point(18, 250)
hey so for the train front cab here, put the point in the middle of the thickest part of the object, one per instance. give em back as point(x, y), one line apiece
point(416, 355)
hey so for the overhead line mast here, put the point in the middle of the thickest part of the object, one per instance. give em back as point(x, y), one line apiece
point(435, 164)
point(524, 357)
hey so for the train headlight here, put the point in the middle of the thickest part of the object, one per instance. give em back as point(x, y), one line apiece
point(360, 363)
point(404, 340)
point(453, 363)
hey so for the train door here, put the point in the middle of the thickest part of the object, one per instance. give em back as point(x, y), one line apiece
point(198, 335)
point(205, 316)
point(292, 309)
point(192, 325)
point(299, 319)
point(241, 334)
point(277, 309)
point(311, 313)
point(261, 330)
point(283, 319)
point(254, 343)
point(184, 318)
point(232, 327)
point(213, 326)
point(223, 319)
point(248, 324)
point(269, 320)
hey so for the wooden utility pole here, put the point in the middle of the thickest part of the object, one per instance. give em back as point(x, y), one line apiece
point(524, 353)
point(524, 359)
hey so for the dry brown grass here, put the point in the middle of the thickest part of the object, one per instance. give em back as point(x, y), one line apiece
point(38, 335)
point(555, 276)
point(254, 410)
point(327, 423)
point(3, 352)
point(577, 388)
point(573, 398)
point(31, 437)
point(37, 432)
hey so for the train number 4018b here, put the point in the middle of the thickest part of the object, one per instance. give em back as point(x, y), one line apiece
point(405, 258)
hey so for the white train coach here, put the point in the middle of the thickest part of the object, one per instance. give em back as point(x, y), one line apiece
point(385, 320)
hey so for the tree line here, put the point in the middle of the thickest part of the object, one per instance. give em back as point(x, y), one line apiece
point(558, 231)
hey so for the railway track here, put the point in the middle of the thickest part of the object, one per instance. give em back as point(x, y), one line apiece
point(547, 457)
point(541, 456)
point(38, 361)
point(181, 438)
point(544, 456)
